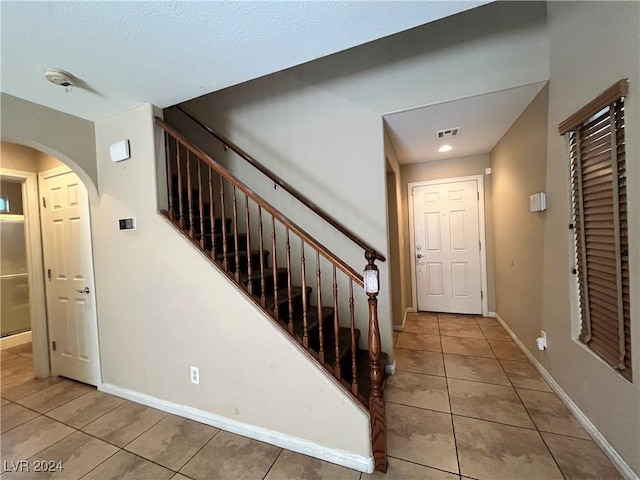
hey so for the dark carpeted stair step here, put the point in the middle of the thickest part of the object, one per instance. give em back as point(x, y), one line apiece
point(312, 323)
point(207, 222)
point(283, 302)
point(231, 244)
point(242, 258)
point(344, 344)
point(256, 282)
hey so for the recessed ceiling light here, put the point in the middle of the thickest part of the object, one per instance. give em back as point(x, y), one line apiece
point(445, 148)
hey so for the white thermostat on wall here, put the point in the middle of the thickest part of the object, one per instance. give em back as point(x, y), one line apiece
point(127, 223)
point(120, 151)
point(538, 202)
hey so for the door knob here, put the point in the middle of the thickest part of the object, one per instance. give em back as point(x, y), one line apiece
point(84, 290)
point(419, 255)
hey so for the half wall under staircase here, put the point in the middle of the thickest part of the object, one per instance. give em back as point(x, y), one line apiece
point(323, 303)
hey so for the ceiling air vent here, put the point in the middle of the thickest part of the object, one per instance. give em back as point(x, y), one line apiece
point(449, 132)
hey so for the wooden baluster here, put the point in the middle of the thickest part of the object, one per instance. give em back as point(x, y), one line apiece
point(319, 300)
point(203, 242)
point(336, 325)
point(248, 229)
point(289, 291)
point(192, 228)
point(354, 346)
point(223, 218)
point(263, 296)
point(274, 266)
point(305, 328)
point(169, 175)
point(212, 215)
point(376, 375)
point(235, 235)
point(180, 193)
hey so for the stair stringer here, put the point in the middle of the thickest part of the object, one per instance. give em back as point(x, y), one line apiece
point(255, 380)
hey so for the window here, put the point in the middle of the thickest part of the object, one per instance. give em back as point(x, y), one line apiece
point(4, 204)
point(599, 198)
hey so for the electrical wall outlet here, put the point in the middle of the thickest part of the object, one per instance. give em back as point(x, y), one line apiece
point(195, 375)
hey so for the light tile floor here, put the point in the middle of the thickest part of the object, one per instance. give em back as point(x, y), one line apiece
point(464, 403)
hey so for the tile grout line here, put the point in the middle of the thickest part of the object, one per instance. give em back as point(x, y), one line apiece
point(273, 463)
point(199, 450)
point(531, 417)
point(413, 462)
point(88, 423)
point(453, 427)
point(540, 434)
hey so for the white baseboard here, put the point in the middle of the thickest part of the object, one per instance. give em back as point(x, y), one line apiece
point(400, 328)
point(595, 434)
point(15, 340)
point(391, 368)
point(279, 439)
point(491, 315)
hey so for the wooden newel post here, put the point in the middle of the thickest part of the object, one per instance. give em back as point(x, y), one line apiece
point(376, 372)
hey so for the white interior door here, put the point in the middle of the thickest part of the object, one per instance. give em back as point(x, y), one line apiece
point(447, 247)
point(68, 263)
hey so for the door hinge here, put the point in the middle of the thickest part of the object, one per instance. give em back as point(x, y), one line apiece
point(480, 244)
point(44, 202)
point(478, 195)
point(49, 274)
point(53, 346)
point(481, 295)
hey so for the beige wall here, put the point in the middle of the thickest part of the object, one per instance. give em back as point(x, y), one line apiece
point(68, 138)
point(394, 250)
point(18, 157)
point(396, 235)
point(319, 125)
point(452, 168)
point(585, 59)
point(518, 163)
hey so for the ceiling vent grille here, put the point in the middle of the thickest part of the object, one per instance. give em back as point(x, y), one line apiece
point(449, 132)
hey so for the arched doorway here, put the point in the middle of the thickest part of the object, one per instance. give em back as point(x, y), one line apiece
point(63, 318)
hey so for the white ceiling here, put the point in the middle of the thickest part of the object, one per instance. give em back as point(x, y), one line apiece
point(167, 52)
point(483, 119)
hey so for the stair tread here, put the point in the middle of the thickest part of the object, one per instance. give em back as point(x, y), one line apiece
point(344, 343)
point(241, 252)
point(283, 295)
point(255, 274)
point(312, 319)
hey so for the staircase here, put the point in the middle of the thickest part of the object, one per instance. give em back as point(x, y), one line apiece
point(306, 289)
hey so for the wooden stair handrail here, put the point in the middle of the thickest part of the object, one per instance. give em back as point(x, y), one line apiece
point(202, 155)
point(281, 183)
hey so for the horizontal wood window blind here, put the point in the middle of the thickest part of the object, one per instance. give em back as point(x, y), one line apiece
point(599, 192)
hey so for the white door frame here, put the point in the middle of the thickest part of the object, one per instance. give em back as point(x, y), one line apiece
point(41, 176)
point(483, 251)
point(35, 267)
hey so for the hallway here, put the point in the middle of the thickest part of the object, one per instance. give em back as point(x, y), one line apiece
point(464, 399)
